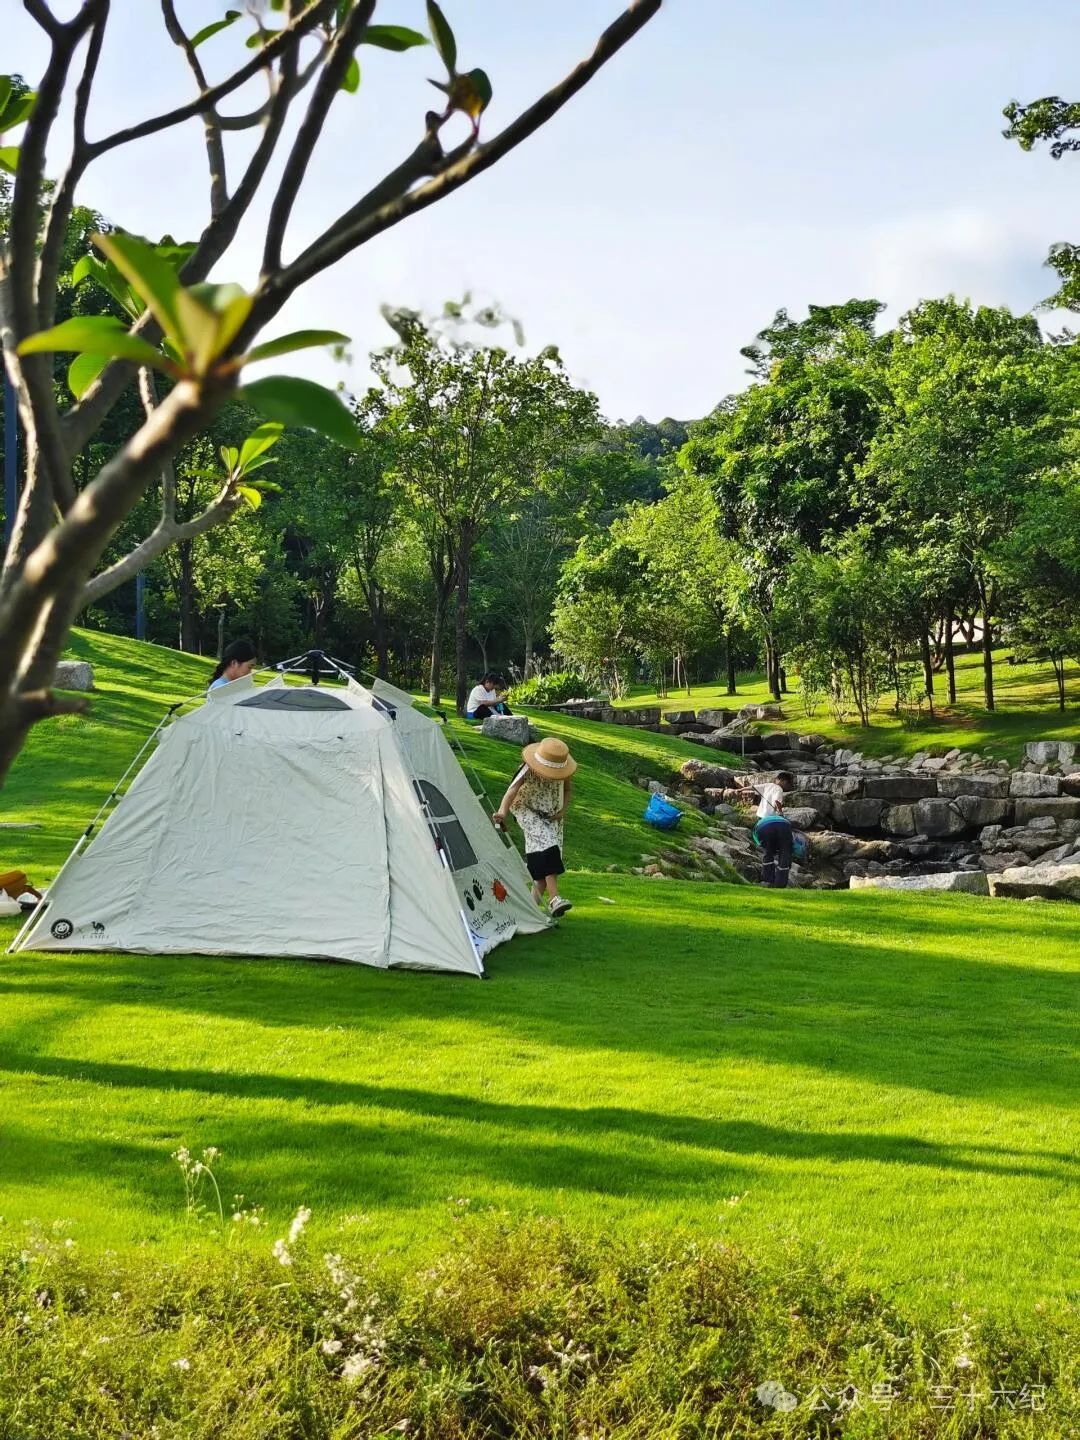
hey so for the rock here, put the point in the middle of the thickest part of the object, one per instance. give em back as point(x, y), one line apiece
point(707, 776)
point(1050, 752)
point(899, 787)
point(1070, 784)
point(812, 799)
point(827, 844)
point(656, 787)
point(1028, 811)
point(680, 717)
point(812, 741)
point(939, 817)
point(716, 718)
point(988, 835)
point(514, 728)
point(761, 712)
point(74, 675)
point(859, 814)
point(916, 760)
point(966, 882)
point(1051, 882)
point(803, 817)
point(690, 797)
point(898, 820)
point(1030, 784)
point(951, 756)
point(780, 740)
point(832, 784)
point(934, 764)
point(992, 787)
point(979, 810)
point(994, 864)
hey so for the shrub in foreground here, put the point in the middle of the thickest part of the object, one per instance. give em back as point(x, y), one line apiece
point(523, 1331)
point(553, 689)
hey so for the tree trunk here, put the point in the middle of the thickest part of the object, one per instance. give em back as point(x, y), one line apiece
point(950, 657)
point(988, 658)
point(188, 623)
point(772, 668)
point(530, 647)
point(927, 665)
point(435, 673)
point(782, 679)
point(220, 633)
point(466, 540)
point(1059, 676)
point(731, 677)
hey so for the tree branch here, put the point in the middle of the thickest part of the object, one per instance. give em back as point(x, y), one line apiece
point(280, 44)
point(377, 213)
point(215, 147)
point(39, 11)
point(326, 89)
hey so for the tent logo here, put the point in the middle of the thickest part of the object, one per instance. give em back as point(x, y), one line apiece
point(470, 901)
point(98, 929)
point(499, 890)
point(61, 929)
point(478, 889)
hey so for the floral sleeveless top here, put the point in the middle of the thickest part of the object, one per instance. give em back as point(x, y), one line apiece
point(533, 807)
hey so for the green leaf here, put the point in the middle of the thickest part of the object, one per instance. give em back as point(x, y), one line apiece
point(443, 36)
point(83, 371)
point(230, 456)
point(393, 37)
point(94, 334)
point(260, 38)
point(5, 91)
point(258, 442)
point(9, 158)
point(152, 277)
point(198, 328)
point(18, 111)
point(301, 402)
point(296, 340)
point(208, 30)
point(351, 83)
point(249, 495)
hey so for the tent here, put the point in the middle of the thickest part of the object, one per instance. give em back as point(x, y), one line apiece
point(296, 820)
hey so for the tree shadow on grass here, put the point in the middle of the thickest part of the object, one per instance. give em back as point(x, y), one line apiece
point(407, 1146)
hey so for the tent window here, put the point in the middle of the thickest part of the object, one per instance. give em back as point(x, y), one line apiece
point(451, 833)
point(284, 697)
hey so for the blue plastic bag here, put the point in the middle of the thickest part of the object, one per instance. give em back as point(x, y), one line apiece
point(660, 814)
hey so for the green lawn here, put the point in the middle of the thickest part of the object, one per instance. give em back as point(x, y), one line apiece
point(891, 1076)
point(1026, 699)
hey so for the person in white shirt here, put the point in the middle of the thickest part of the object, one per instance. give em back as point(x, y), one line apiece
point(773, 830)
point(237, 659)
point(484, 699)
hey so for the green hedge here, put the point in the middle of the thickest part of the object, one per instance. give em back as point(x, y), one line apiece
point(553, 689)
point(518, 1331)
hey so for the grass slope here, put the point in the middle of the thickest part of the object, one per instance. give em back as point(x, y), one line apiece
point(892, 1076)
point(1026, 698)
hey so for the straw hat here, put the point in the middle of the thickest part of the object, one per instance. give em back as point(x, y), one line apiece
point(549, 760)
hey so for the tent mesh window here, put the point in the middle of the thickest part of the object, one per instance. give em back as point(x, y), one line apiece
point(285, 698)
point(451, 835)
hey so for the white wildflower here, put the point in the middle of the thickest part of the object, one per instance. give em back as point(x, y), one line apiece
point(300, 1219)
point(211, 1153)
point(181, 1364)
point(281, 1253)
point(357, 1365)
point(773, 1393)
point(330, 1347)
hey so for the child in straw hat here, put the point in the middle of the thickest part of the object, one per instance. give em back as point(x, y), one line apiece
point(538, 798)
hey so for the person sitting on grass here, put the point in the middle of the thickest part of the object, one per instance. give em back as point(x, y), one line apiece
point(538, 798)
point(237, 659)
point(485, 699)
point(773, 830)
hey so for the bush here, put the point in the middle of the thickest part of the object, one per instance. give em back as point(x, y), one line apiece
point(523, 1331)
point(553, 689)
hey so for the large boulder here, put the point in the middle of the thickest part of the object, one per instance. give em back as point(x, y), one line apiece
point(716, 718)
point(898, 820)
point(761, 712)
point(832, 784)
point(1028, 785)
point(979, 810)
point(859, 814)
point(1048, 882)
point(780, 740)
point(1065, 808)
point(990, 787)
point(1050, 752)
point(939, 817)
point(514, 728)
point(812, 799)
point(899, 787)
point(966, 882)
point(803, 817)
point(707, 776)
point(74, 675)
point(812, 741)
point(1070, 784)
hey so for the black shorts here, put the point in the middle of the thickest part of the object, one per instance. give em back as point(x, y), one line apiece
point(542, 863)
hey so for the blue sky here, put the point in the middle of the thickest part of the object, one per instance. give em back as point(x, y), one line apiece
point(734, 158)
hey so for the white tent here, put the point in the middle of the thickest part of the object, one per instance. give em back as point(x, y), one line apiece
point(296, 820)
